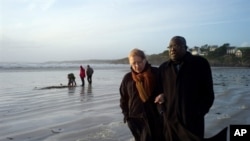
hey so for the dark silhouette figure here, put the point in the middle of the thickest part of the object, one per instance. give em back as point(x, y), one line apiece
point(71, 78)
point(89, 72)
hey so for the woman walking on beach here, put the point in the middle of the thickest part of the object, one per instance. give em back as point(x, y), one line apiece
point(137, 91)
point(82, 74)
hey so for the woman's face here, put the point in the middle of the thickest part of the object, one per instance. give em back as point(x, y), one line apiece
point(137, 63)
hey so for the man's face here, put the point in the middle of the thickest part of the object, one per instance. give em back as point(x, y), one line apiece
point(176, 51)
point(137, 63)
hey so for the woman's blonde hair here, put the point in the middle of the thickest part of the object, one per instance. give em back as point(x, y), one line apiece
point(137, 52)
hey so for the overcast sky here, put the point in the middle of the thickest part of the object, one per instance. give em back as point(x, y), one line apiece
point(59, 30)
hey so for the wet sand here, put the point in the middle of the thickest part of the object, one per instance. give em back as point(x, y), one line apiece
point(92, 112)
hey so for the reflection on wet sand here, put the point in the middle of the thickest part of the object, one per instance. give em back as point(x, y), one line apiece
point(71, 90)
point(86, 96)
point(89, 89)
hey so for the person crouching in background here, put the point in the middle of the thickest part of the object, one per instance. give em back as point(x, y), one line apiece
point(71, 78)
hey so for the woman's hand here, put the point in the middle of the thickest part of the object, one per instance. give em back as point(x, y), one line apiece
point(159, 99)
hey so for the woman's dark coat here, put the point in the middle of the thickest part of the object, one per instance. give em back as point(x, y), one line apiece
point(188, 99)
point(133, 108)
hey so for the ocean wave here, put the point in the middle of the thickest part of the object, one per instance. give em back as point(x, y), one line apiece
point(38, 66)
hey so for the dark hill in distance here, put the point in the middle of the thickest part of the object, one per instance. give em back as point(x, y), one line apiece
point(154, 59)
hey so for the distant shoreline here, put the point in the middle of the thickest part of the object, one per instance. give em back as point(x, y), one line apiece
point(153, 59)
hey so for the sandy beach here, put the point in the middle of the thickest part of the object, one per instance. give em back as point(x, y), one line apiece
point(92, 112)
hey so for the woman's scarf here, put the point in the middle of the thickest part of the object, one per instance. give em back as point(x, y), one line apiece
point(145, 82)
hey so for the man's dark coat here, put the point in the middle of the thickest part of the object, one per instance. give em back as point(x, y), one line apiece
point(188, 97)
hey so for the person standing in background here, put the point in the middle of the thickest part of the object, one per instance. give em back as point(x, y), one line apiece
point(187, 93)
point(137, 94)
point(82, 74)
point(89, 72)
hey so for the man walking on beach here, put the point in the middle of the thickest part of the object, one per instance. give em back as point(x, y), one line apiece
point(89, 72)
point(187, 93)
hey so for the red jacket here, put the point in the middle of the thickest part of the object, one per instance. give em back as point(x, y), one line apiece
point(82, 72)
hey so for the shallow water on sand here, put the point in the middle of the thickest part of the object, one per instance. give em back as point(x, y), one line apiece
point(92, 112)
